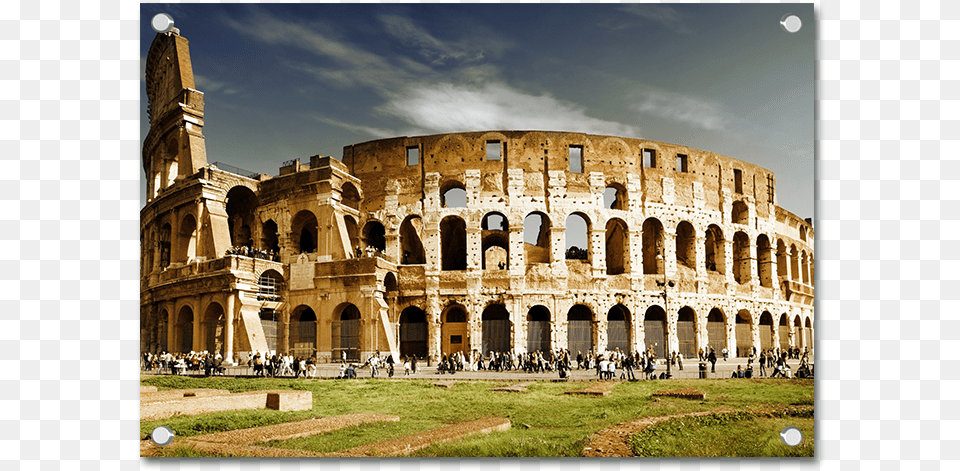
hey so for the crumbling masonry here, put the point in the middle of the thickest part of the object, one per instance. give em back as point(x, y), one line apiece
point(456, 242)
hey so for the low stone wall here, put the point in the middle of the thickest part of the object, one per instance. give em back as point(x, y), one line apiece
point(206, 401)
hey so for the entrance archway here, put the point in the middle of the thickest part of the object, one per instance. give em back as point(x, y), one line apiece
point(716, 331)
point(345, 332)
point(413, 332)
point(454, 331)
point(538, 329)
point(744, 333)
point(495, 329)
point(655, 331)
point(687, 332)
point(580, 329)
point(212, 333)
point(766, 331)
point(784, 329)
point(618, 329)
point(303, 332)
point(185, 329)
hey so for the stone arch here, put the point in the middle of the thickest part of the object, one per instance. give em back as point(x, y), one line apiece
point(741, 213)
point(163, 327)
point(270, 239)
point(686, 245)
point(269, 321)
point(744, 332)
point(269, 285)
point(715, 249)
point(766, 330)
point(783, 328)
point(782, 257)
point(536, 238)
point(494, 241)
point(353, 235)
point(618, 247)
point(184, 330)
point(495, 329)
point(241, 208)
point(413, 332)
point(346, 334)
point(187, 239)
point(800, 341)
point(803, 233)
point(375, 235)
point(716, 331)
point(741, 257)
point(453, 243)
point(618, 329)
point(538, 329)
point(615, 197)
point(577, 231)
point(411, 243)
point(655, 331)
point(164, 245)
point(390, 283)
point(350, 196)
point(808, 334)
point(804, 267)
point(453, 194)
point(454, 330)
point(764, 261)
point(687, 331)
point(653, 263)
point(580, 329)
point(211, 328)
point(794, 264)
point(303, 332)
point(303, 232)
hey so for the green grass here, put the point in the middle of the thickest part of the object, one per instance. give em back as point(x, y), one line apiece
point(724, 435)
point(558, 423)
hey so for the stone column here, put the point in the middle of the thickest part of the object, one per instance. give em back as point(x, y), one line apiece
point(228, 330)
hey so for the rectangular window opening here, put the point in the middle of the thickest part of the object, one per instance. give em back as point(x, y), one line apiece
point(413, 155)
point(682, 163)
point(456, 339)
point(738, 180)
point(649, 158)
point(493, 150)
point(576, 159)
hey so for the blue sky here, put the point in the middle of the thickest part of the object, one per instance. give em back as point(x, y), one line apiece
point(289, 81)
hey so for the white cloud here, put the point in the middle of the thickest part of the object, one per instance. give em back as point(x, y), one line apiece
point(704, 114)
point(449, 108)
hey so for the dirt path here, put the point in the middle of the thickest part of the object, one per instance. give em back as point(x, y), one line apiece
point(243, 442)
point(612, 442)
point(411, 443)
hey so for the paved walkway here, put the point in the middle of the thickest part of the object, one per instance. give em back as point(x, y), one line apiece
point(724, 369)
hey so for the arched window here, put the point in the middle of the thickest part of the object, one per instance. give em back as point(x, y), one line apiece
point(411, 245)
point(536, 238)
point(495, 242)
point(618, 247)
point(615, 197)
point(652, 247)
point(453, 195)
point(686, 245)
point(741, 258)
point(714, 255)
point(764, 261)
point(453, 244)
point(577, 237)
point(241, 207)
point(304, 232)
point(349, 196)
point(741, 213)
point(374, 235)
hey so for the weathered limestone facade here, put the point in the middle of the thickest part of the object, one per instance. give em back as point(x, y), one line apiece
point(432, 244)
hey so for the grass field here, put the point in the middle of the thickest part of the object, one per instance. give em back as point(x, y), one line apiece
point(546, 421)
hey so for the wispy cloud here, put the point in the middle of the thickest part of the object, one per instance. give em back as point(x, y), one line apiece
point(207, 84)
point(431, 48)
point(666, 16)
point(448, 108)
point(704, 114)
point(375, 132)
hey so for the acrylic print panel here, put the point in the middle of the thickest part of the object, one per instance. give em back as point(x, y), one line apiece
point(464, 230)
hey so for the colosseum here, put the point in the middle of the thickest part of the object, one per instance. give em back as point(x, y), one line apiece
point(488, 241)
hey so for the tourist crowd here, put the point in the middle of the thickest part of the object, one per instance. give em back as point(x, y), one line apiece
point(245, 251)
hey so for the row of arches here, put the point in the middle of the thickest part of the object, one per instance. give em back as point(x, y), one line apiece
point(497, 331)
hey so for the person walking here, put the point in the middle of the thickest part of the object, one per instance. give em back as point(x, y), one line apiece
point(713, 361)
